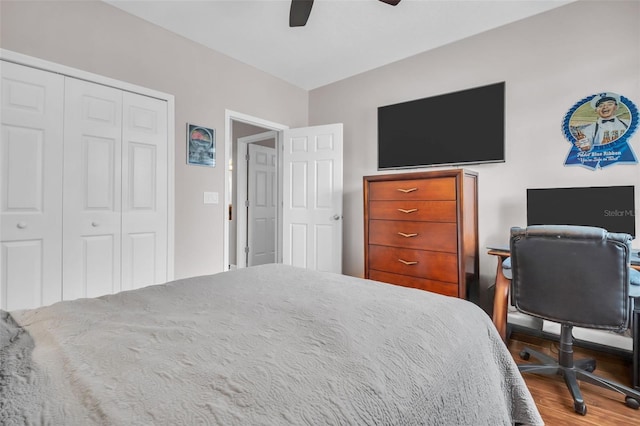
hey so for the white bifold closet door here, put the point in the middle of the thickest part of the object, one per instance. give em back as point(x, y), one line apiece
point(145, 180)
point(115, 198)
point(92, 190)
point(31, 187)
point(84, 189)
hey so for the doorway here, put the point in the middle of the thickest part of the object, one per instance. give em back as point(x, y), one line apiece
point(251, 231)
point(256, 192)
point(308, 198)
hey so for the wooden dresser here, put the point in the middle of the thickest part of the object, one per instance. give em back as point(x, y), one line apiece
point(421, 230)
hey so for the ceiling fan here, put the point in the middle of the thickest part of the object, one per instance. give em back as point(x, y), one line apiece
point(301, 9)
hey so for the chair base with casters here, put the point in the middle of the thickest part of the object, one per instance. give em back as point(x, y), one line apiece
point(573, 370)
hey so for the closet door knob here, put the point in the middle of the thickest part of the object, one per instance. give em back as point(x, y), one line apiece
point(21, 225)
point(95, 224)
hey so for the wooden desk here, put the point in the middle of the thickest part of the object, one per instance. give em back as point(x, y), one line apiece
point(501, 296)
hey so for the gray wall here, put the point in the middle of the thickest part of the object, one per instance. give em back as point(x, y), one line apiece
point(549, 62)
point(98, 38)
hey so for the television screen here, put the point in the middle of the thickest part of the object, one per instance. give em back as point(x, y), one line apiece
point(608, 207)
point(463, 127)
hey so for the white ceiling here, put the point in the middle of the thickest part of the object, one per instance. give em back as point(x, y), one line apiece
point(342, 37)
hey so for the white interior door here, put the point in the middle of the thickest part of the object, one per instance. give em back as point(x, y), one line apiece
point(312, 197)
point(31, 187)
point(92, 195)
point(241, 186)
point(144, 191)
point(262, 194)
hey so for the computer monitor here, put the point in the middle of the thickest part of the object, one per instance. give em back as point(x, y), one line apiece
point(608, 207)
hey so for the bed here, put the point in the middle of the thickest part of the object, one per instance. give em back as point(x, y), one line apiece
point(266, 345)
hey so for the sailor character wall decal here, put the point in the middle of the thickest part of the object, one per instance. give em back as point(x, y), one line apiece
point(598, 128)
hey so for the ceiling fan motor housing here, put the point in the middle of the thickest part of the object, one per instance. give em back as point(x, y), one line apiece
point(301, 9)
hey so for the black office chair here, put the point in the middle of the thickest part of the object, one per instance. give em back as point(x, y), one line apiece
point(576, 276)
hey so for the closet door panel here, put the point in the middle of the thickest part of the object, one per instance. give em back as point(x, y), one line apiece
point(98, 268)
point(144, 191)
point(31, 187)
point(92, 189)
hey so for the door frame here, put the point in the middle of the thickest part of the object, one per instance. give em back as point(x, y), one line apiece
point(230, 117)
point(241, 192)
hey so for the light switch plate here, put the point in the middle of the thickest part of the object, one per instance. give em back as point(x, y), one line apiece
point(211, 198)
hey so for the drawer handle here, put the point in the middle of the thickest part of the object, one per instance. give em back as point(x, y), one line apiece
point(406, 191)
point(407, 210)
point(407, 235)
point(406, 262)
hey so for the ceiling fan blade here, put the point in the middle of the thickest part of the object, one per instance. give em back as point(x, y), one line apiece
point(391, 2)
point(299, 12)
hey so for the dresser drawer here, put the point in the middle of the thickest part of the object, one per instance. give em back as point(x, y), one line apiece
point(417, 263)
point(417, 235)
point(418, 189)
point(448, 289)
point(434, 211)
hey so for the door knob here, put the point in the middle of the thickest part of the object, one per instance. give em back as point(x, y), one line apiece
point(21, 225)
point(336, 217)
point(95, 224)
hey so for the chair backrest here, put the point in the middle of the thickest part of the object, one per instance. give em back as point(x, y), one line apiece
point(577, 275)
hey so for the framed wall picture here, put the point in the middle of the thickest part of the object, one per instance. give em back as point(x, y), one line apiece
point(201, 146)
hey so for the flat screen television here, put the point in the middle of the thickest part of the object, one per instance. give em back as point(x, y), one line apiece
point(464, 127)
point(608, 207)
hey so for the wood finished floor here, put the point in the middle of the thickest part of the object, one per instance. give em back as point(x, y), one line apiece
point(554, 402)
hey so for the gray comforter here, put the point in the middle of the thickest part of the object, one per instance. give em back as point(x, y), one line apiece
point(267, 345)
